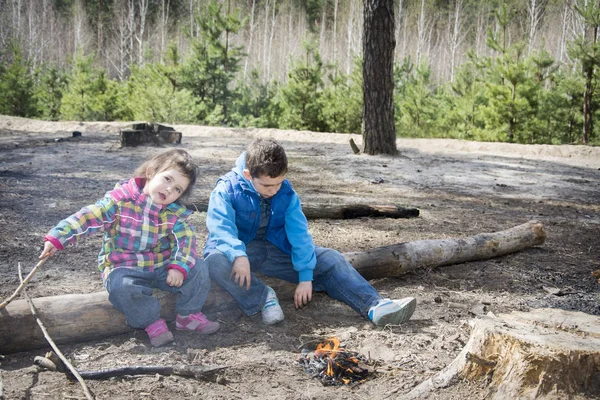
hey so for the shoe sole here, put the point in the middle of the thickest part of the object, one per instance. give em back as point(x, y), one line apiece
point(206, 332)
point(273, 322)
point(162, 339)
point(400, 316)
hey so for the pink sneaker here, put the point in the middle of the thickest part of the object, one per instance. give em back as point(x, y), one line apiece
point(159, 333)
point(197, 322)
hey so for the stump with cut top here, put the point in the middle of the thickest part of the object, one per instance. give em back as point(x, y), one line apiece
point(149, 134)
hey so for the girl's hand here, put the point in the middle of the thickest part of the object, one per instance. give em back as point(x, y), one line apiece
point(174, 277)
point(49, 250)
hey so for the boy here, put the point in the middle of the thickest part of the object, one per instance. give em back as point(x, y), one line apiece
point(256, 224)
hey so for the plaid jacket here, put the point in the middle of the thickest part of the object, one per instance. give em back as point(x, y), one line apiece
point(137, 232)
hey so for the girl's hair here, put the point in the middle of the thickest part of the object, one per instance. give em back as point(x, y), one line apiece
point(177, 159)
point(266, 157)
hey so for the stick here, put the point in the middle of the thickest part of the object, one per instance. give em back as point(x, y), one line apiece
point(88, 395)
point(23, 282)
point(198, 372)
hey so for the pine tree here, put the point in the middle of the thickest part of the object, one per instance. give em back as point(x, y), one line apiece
point(463, 119)
point(300, 98)
point(155, 96)
point(211, 70)
point(253, 105)
point(82, 100)
point(51, 82)
point(16, 86)
point(342, 101)
point(586, 50)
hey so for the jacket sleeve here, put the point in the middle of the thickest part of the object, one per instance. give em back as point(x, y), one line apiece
point(183, 254)
point(220, 222)
point(303, 247)
point(85, 222)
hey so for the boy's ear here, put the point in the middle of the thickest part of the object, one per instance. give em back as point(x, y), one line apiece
point(247, 174)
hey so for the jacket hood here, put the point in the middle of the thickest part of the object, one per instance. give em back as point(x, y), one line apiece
point(240, 165)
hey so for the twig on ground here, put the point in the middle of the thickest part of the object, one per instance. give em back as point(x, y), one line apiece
point(88, 395)
point(23, 282)
point(197, 372)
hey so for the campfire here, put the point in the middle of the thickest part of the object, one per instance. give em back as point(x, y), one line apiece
point(334, 365)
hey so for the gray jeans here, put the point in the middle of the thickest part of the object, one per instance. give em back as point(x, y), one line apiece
point(130, 292)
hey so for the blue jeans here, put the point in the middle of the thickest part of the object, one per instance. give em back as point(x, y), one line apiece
point(130, 292)
point(333, 274)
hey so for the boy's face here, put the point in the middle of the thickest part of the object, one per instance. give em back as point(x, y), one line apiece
point(166, 187)
point(265, 185)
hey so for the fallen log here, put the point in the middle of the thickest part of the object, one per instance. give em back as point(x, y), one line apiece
point(541, 354)
point(79, 317)
point(340, 211)
point(398, 259)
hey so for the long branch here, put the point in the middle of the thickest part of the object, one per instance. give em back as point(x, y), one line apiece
point(49, 339)
point(23, 283)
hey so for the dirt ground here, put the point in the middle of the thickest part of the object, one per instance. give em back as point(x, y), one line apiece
point(462, 189)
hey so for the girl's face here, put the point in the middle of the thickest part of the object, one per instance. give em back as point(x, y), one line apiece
point(166, 187)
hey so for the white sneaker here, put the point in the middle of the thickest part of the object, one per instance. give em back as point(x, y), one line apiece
point(271, 311)
point(392, 312)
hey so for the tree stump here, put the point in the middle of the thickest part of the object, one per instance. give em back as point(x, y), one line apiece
point(541, 354)
point(149, 134)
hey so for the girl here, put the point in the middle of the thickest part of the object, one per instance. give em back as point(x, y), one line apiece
point(147, 244)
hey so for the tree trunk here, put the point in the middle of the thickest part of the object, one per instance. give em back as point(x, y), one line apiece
point(379, 130)
point(541, 354)
point(78, 317)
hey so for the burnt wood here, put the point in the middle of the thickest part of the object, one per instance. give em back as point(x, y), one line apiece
point(340, 211)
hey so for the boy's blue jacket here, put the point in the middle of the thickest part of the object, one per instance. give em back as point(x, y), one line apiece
point(233, 218)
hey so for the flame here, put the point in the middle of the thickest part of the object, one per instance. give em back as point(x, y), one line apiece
point(329, 347)
point(337, 364)
point(329, 371)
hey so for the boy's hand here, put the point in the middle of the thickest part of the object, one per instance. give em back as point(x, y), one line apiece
point(240, 272)
point(174, 277)
point(303, 294)
point(49, 250)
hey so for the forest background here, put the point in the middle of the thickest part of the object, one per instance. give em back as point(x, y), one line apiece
point(495, 70)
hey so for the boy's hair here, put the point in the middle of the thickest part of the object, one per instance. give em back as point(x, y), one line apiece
point(177, 159)
point(266, 157)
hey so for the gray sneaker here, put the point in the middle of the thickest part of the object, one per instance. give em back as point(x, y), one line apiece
point(392, 312)
point(271, 311)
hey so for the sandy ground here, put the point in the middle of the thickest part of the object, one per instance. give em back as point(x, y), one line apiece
point(462, 189)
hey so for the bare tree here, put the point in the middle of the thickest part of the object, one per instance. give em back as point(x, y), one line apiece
point(123, 24)
point(458, 35)
point(352, 43)
point(401, 31)
point(139, 36)
point(535, 8)
point(251, 27)
point(379, 131)
point(335, 16)
point(273, 23)
point(422, 32)
point(164, 25)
